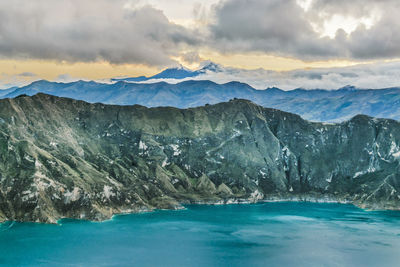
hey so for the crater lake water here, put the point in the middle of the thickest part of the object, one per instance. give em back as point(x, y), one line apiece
point(266, 234)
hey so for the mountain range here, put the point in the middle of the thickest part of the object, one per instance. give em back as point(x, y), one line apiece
point(315, 105)
point(61, 157)
point(178, 73)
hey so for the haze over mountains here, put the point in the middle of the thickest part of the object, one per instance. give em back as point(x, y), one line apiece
point(381, 75)
point(315, 105)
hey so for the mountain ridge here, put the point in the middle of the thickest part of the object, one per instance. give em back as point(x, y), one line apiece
point(315, 105)
point(178, 73)
point(61, 157)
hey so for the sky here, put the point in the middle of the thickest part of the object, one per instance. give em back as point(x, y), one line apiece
point(289, 43)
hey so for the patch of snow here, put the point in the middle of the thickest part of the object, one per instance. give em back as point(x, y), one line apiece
point(212, 160)
point(329, 179)
point(371, 169)
point(38, 164)
point(256, 195)
point(28, 194)
point(286, 150)
point(107, 190)
point(142, 145)
point(358, 174)
point(53, 144)
point(29, 158)
point(177, 152)
point(394, 150)
point(165, 162)
point(71, 196)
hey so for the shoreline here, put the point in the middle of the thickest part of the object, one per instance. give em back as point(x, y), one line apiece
point(240, 201)
point(232, 201)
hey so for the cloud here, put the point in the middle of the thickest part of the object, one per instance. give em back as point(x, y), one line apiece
point(10, 80)
point(86, 31)
point(27, 74)
point(365, 76)
point(286, 28)
point(191, 57)
point(65, 78)
point(151, 32)
point(268, 26)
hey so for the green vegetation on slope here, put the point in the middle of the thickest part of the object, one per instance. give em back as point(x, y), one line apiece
point(66, 158)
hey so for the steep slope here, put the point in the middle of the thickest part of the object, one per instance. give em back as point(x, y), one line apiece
point(66, 158)
point(315, 105)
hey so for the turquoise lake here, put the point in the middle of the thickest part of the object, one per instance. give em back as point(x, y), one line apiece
point(266, 234)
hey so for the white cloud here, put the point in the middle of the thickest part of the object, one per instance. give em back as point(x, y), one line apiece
point(368, 76)
point(311, 30)
point(83, 30)
point(154, 32)
point(183, 12)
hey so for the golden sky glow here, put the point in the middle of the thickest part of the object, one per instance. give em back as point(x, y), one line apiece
point(128, 38)
point(268, 62)
point(51, 70)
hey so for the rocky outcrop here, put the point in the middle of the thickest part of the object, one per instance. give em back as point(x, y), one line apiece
point(66, 158)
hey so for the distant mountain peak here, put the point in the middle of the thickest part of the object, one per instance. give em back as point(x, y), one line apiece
point(180, 67)
point(348, 88)
point(275, 89)
point(211, 66)
point(40, 82)
point(314, 105)
point(179, 73)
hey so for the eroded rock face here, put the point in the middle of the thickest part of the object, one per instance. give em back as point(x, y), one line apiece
point(65, 158)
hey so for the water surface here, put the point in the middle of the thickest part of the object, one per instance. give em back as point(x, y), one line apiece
point(267, 234)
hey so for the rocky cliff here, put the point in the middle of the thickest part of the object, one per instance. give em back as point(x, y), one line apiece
point(61, 157)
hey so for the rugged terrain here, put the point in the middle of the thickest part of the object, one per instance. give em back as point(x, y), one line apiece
point(315, 105)
point(61, 157)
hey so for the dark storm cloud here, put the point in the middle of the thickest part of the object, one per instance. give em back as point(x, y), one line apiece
point(81, 30)
point(269, 26)
point(284, 28)
point(120, 31)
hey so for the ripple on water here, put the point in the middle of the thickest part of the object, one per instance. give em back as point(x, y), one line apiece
point(273, 234)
